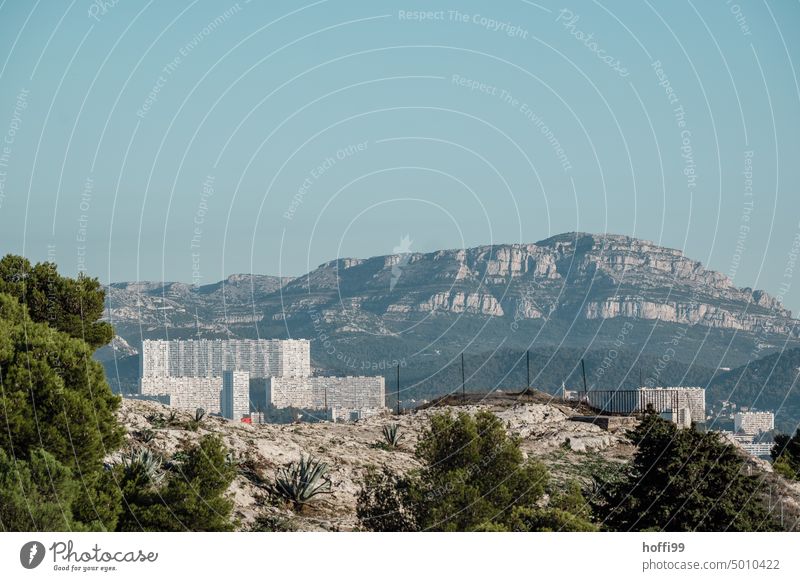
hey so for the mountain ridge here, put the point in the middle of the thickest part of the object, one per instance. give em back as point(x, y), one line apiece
point(567, 294)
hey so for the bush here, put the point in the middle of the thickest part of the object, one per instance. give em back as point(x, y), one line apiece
point(786, 455)
point(36, 495)
point(384, 502)
point(683, 480)
point(474, 478)
point(192, 495)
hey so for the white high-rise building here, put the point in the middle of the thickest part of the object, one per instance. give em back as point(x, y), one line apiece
point(215, 374)
point(211, 357)
point(753, 423)
point(235, 394)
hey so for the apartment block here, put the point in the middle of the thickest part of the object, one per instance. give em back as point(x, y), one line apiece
point(347, 397)
point(235, 394)
point(681, 405)
point(674, 399)
point(211, 357)
point(753, 422)
point(186, 393)
point(217, 374)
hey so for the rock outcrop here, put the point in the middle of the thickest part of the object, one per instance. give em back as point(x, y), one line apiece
point(595, 277)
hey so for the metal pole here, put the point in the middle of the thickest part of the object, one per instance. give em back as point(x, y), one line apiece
point(583, 368)
point(528, 366)
point(463, 381)
point(398, 389)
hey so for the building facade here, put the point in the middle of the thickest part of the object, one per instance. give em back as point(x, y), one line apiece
point(343, 396)
point(753, 423)
point(235, 394)
point(216, 375)
point(674, 399)
point(212, 357)
point(186, 393)
point(681, 405)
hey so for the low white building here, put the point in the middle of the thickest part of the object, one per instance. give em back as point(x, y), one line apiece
point(346, 397)
point(753, 422)
point(186, 393)
point(674, 399)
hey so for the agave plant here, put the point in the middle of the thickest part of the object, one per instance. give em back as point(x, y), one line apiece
point(391, 434)
point(172, 418)
point(299, 482)
point(144, 462)
point(157, 420)
point(147, 435)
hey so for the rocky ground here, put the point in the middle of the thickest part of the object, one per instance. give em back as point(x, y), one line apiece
point(549, 431)
point(571, 449)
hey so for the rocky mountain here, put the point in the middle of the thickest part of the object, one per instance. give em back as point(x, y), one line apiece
point(161, 307)
point(566, 296)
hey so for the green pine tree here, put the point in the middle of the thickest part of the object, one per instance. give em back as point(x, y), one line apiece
point(683, 480)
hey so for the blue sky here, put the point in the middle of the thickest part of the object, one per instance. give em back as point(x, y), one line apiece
point(192, 140)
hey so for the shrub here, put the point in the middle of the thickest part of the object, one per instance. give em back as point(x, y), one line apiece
point(192, 496)
point(786, 455)
point(384, 502)
point(683, 480)
point(144, 463)
point(147, 435)
point(156, 420)
point(299, 482)
point(473, 478)
point(269, 523)
point(36, 495)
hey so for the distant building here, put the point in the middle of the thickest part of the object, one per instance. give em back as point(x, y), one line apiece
point(675, 399)
point(753, 423)
point(760, 449)
point(217, 375)
point(161, 398)
point(682, 417)
point(682, 405)
point(235, 394)
point(211, 357)
point(186, 393)
point(749, 443)
point(339, 396)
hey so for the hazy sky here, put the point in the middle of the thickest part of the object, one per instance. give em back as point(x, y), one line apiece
point(192, 140)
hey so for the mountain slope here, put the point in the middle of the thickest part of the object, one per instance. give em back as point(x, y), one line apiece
point(769, 383)
point(568, 296)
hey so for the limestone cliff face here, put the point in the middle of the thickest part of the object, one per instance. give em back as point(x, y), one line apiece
point(571, 277)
